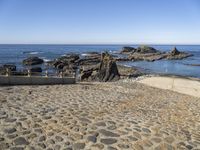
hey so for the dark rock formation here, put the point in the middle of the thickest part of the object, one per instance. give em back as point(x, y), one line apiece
point(36, 70)
point(146, 57)
point(175, 54)
point(33, 61)
point(126, 50)
point(150, 54)
point(104, 72)
point(108, 70)
point(9, 67)
point(146, 49)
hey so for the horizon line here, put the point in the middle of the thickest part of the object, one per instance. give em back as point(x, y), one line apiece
point(100, 44)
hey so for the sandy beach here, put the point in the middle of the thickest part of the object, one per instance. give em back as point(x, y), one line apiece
point(118, 115)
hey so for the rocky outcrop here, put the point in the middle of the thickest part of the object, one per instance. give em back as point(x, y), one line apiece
point(150, 54)
point(126, 50)
point(146, 49)
point(175, 54)
point(146, 57)
point(108, 70)
point(64, 61)
point(33, 61)
point(9, 67)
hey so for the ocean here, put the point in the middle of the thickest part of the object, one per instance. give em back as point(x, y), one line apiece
point(14, 54)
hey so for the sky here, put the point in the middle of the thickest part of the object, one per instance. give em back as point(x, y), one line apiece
point(100, 21)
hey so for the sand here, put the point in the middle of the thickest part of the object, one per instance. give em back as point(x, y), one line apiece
point(120, 115)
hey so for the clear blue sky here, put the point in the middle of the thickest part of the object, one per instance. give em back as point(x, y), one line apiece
point(100, 21)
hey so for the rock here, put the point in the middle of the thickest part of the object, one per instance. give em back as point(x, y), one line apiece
point(174, 51)
point(108, 70)
point(128, 72)
point(108, 133)
point(33, 61)
point(21, 141)
point(36, 70)
point(78, 146)
point(146, 49)
point(66, 60)
point(108, 141)
point(176, 55)
point(10, 67)
point(92, 139)
point(10, 130)
point(126, 50)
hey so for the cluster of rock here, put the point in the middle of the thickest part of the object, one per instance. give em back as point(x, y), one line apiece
point(151, 54)
point(11, 69)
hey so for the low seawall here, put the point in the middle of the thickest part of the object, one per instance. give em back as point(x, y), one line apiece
point(35, 80)
point(177, 84)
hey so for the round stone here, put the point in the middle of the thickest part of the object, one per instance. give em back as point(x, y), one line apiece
point(21, 141)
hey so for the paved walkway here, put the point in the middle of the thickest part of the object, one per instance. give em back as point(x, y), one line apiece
point(177, 84)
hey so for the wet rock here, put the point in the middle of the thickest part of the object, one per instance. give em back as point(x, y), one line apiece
point(21, 141)
point(108, 141)
point(33, 61)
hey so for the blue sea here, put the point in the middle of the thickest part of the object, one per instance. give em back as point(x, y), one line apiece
point(14, 54)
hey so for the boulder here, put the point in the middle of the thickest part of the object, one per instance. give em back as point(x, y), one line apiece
point(108, 70)
point(36, 70)
point(126, 50)
point(33, 61)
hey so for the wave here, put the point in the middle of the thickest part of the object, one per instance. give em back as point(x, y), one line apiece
point(32, 53)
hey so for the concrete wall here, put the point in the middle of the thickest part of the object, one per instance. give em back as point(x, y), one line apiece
point(22, 80)
point(177, 84)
